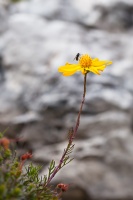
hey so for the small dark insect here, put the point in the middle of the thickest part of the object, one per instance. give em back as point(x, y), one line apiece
point(77, 56)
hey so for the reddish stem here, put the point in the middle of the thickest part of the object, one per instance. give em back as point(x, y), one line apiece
point(72, 135)
point(81, 107)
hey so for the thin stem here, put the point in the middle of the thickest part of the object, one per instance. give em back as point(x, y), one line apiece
point(57, 168)
point(81, 107)
point(72, 135)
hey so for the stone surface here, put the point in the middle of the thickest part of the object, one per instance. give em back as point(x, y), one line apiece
point(104, 167)
point(3, 15)
point(40, 105)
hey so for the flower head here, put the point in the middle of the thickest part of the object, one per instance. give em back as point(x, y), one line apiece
point(26, 156)
point(85, 64)
point(23, 158)
point(63, 187)
point(5, 142)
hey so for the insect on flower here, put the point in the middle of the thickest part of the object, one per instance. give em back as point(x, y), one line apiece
point(63, 187)
point(85, 65)
point(77, 56)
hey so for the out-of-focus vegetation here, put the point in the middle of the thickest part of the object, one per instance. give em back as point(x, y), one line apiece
point(19, 184)
point(15, 1)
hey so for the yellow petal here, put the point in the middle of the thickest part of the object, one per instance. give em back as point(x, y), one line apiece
point(101, 68)
point(69, 73)
point(69, 68)
point(94, 70)
point(96, 62)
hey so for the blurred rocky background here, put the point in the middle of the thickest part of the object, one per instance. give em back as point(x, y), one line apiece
point(40, 105)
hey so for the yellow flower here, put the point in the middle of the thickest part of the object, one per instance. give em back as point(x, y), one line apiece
point(85, 64)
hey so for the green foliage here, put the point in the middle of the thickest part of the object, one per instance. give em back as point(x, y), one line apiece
point(15, 1)
point(18, 185)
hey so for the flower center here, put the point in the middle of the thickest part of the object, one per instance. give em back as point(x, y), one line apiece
point(85, 60)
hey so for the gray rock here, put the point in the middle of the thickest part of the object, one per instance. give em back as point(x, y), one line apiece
point(103, 166)
point(41, 105)
point(4, 7)
point(102, 14)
